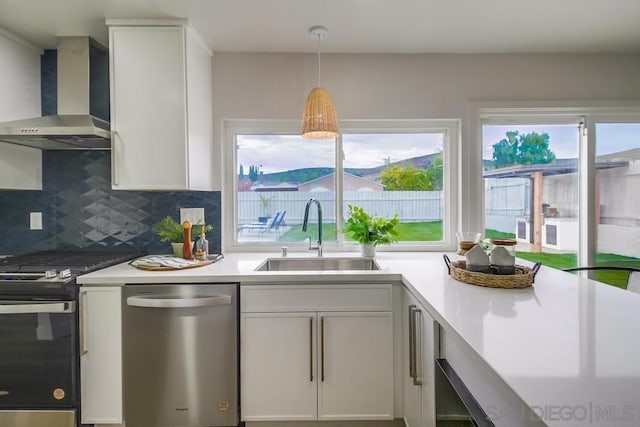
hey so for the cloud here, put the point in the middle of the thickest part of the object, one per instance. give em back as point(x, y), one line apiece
point(276, 153)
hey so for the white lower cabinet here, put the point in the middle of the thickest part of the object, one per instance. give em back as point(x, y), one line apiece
point(278, 366)
point(356, 366)
point(419, 361)
point(332, 361)
point(100, 355)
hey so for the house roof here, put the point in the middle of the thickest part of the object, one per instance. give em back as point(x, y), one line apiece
point(368, 181)
point(522, 171)
point(283, 186)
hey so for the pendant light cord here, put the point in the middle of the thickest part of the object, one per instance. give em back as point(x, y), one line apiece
point(318, 61)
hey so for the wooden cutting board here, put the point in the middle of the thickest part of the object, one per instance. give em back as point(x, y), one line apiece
point(166, 268)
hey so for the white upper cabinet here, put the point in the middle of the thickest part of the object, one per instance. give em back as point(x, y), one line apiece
point(161, 108)
point(20, 167)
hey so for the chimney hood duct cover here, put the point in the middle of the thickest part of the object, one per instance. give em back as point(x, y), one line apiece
point(73, 128)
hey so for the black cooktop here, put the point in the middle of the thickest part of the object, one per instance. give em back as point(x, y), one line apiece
point(78, 261)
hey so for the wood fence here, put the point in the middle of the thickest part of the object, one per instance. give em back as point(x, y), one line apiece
point(412, 206)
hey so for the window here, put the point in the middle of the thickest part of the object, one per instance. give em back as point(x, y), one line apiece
point(617, 215)
point(401, 167)
point(531, 189)
point(276, 175)
point(389, 173)
point(585, 161)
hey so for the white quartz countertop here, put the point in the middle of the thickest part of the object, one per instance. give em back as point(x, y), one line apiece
point(569, 347)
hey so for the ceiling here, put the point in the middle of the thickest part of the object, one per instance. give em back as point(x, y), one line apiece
point(355, 26)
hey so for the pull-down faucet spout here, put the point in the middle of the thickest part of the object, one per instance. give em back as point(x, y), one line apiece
point(306, 221)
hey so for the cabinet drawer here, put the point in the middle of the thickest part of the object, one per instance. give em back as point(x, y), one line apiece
point(275, 298)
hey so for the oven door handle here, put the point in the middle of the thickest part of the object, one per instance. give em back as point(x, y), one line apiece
point(31, 307)
point(168, 302)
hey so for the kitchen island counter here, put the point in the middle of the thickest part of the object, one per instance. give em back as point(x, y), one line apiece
point(568, 347)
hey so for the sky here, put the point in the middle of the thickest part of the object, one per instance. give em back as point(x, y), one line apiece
point(563, 139)
point(276, 153)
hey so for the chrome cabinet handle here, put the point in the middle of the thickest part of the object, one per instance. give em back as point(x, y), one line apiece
point(81, 309)
point(413, 347)
point(311, 349)
point(411, 340)
point(412, 343)
point(114, 158)
point(322, 349)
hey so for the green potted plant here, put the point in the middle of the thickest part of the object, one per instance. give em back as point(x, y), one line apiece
point(169, 230)
point(370, 231)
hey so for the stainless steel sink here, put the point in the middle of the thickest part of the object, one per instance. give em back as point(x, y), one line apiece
point(315, 264)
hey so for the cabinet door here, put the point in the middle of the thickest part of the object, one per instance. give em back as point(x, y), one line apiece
point(412, 391)
point(278, 366)
point(148, 108)
point(419, 386)
point(426, 346)
point(355, 372)
point(101, 355)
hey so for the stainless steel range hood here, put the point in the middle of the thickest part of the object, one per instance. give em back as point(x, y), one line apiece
point(73, 127)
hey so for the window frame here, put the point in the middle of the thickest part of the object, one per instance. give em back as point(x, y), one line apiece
point(450, 150)
point(527, 113)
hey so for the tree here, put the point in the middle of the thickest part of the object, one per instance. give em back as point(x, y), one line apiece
point(517, 149)
point(408, 178)
point(241, 174)
point(435, 173)
point(253, 173)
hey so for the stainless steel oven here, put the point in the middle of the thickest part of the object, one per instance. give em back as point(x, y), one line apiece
point(39, 357)
point(38, 370)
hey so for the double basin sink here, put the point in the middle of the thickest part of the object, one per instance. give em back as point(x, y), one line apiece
point(318, 264)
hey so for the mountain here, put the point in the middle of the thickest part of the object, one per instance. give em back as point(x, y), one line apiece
point(299, 176)
point(373, 174)
point(296, 176)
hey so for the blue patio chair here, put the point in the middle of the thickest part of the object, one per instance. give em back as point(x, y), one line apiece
point(279, 222)
point(260, 227)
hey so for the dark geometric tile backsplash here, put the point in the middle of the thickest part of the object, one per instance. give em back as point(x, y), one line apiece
point(80, 210)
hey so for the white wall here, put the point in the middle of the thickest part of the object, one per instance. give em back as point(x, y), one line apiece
point(414, 86)
point(20, 167)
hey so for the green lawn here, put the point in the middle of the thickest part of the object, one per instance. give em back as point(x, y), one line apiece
point(428, 231)
point(494, 234)
point(562, 261)
point(295, 234)
point(408, 232)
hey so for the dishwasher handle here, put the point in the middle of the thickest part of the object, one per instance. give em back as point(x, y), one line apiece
point(159, 301)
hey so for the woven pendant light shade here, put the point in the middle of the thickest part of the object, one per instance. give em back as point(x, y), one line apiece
point(319, 118)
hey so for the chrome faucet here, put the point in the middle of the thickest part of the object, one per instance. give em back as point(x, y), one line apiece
point(306, 220)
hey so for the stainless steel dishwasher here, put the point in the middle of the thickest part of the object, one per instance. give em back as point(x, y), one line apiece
point(180, 356)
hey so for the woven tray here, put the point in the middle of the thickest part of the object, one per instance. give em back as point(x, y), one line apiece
point(523, 278)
